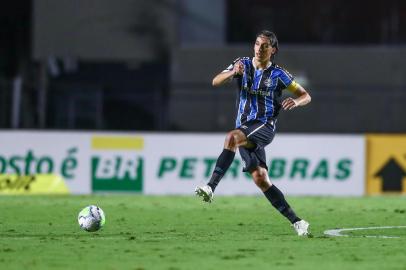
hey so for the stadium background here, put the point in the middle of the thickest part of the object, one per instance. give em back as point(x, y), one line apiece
point(112, 101)
point(146, 66)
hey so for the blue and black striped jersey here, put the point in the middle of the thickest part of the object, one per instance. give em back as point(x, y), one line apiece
point(260, 91)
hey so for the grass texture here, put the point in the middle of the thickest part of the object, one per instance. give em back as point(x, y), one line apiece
point(181, 232)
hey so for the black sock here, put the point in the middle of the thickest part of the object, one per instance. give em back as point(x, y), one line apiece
point(223, 163)
point(275, 196)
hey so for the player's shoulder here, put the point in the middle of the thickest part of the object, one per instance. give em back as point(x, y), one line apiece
point(282, 70)
point(279, 67)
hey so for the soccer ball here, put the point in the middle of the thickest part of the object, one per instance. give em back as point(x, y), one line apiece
point(91, 218)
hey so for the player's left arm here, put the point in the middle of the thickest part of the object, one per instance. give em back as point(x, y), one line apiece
point(302, 97)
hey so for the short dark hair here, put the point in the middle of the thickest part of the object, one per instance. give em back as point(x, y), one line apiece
point(272, 38)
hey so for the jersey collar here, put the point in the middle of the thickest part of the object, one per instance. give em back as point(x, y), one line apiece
point(267, 66)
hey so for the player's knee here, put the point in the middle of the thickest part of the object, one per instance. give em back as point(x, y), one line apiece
point(259, 173)
point(260, 177)
point(231, 140)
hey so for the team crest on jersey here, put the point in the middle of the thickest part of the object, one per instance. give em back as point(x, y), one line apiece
point(268, 82)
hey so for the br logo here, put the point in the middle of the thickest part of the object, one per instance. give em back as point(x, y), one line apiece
point(117, 173)
point(116, 165)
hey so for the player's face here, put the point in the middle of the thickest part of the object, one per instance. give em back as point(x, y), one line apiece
point(263, 49)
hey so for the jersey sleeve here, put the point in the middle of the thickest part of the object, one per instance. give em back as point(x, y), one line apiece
point(286, 77)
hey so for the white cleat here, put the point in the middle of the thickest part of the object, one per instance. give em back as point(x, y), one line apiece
point(301, 227)
point(205, 193)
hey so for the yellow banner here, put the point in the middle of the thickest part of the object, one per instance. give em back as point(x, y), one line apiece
point(32, 184)
point(117, 142)
point(386, 164)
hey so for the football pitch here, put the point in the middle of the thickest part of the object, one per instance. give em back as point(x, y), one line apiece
point(180, 232)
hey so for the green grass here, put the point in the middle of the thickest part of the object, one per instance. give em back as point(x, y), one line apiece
point(174, 232)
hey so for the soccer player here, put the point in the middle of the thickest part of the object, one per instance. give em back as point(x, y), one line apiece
point(260, 83)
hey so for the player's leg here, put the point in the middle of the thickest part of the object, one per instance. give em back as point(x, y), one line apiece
point(277, 199)
point(255, 163)
point(273, 194)
point(233, 139)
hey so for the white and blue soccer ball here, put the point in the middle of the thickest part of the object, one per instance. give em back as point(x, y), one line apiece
point(91, 218)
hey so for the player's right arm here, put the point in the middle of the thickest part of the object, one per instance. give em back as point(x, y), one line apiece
point(227, 75)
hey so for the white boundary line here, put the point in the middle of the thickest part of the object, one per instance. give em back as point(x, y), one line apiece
point(337, 232)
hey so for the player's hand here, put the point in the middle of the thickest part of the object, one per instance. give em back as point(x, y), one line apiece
point(289, 104)
point(238, 68)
